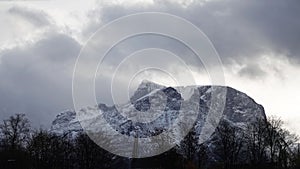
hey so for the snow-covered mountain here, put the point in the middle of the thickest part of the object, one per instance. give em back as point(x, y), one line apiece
point(238, 110)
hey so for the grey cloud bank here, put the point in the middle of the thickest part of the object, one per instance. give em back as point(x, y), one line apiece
point(240, 30)
point(36, 78)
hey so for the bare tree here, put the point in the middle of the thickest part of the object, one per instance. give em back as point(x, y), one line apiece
point(272, 137)
point(255, 141)
point(297, 157)
point(15, 131)
point(89, 155)
point(231, 141)
point(48, 150)
point(285, 144)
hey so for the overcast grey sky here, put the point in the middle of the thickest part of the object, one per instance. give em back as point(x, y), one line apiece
point(258, 42)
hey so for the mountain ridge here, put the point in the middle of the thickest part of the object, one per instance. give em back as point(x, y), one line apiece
point(67, 118)
point(239, 111)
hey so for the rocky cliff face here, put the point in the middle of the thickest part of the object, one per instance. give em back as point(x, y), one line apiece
point(239, 111)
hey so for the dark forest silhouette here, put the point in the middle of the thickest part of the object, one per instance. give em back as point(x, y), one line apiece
point(264, 144)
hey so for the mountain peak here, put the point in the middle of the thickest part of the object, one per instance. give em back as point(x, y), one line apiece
point(148, 83)
point(240, 110)
point(145, 88)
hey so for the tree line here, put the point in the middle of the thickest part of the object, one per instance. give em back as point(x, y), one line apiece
point(261, 144)
point(264, 143)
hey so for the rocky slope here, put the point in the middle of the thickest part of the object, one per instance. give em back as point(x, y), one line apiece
point(239, 110)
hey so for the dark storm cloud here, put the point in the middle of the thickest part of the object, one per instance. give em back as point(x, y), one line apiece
point(36, 78)
point(35, 17)
point(240, 30)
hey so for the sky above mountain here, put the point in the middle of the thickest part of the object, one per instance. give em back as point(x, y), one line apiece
point(257, 41)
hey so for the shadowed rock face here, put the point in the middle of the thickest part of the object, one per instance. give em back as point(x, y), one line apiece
point(239, 111)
